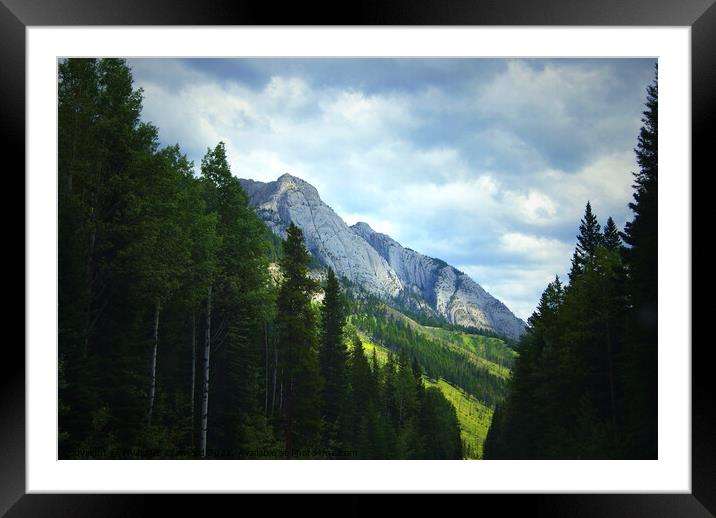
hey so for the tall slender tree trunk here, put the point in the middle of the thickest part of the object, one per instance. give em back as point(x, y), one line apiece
point(275, 375)
point(153, 386)
point(192, 392)
point(266, 369)
point(205, 387)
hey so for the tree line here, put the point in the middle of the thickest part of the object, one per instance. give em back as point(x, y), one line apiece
point(585, 383)
point(175, 337)
point(454, 364)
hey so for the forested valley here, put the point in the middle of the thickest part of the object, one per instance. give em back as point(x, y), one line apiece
point(186, 329)
point(585, 383)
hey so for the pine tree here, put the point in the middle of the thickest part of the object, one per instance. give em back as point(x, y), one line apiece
point(239, 311)
point(103, 149)
point(333, 354)
point(390, 405)
point(160, 252)
point(641, 260)
point(545, 317)
point(406, 396)
point(611, 238)
point(361, 401)
point(439, 427)
point(589, 238)
point(297, 342)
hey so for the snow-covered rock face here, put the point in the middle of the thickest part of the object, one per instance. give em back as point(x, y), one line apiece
point(377, 262)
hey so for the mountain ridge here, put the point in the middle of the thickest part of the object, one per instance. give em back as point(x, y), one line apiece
point(377, 262)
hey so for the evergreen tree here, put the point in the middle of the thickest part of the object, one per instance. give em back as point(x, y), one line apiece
point(439, 427)
point(585, 382)
point(641, 260)
point(361, 408)
point(407, 406)
point(164, 273)
point(589, 237)
point(240, 296)
point(611, 238)
point(390, 404)
point(333, 354)
point(103, 149)
point(157, 258)
point(297, 342)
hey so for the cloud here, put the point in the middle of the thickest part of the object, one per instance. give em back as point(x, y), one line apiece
point(566, 110)
point(535, 207)
point(539, 248)
point(486, 164)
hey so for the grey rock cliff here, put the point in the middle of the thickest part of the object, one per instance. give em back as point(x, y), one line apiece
point(328, 238)
point(452, 293)
point(375, 261)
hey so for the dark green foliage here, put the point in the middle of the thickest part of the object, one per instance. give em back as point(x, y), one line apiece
point(108, 169)
point(360, 417)
point(437, 359)
point(140, 241)
point(611, 238)
point(142, 244)
point(589, 238)
point(585, 383)
point(641, 258)
point(297, 330)
point(240, 311)
point(441, 322)
point(439, 425)
point(333, 354)
point(390, 415)
point(565, 379)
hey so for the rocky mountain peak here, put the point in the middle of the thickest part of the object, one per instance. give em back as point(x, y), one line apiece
point(363, 227)
point(377, 262)
point(287, 182)
point(290, 199)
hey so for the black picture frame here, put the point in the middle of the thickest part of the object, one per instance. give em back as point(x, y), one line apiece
point(16, 15)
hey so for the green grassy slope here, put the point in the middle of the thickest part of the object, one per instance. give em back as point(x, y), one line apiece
point(473, 416)
point(492, 353)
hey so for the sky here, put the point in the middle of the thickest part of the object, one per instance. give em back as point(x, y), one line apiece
point(484, 163)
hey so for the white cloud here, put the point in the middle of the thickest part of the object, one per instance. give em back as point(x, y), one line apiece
point(381, 156)
point(541, 249)
point(287, 92)
point(605, 182)
point(535, 207)
point(548, 96)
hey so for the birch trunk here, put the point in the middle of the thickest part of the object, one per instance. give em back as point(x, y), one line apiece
point(153, 386)
point(205, 387)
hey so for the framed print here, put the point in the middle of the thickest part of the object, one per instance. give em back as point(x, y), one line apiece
point(266, 258)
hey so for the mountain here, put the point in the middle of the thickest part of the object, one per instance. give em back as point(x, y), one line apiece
point(452, 293)
point(328, 238)
point(376, 262)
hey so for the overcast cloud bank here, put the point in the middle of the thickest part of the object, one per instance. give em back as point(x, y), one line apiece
point(485, 163)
